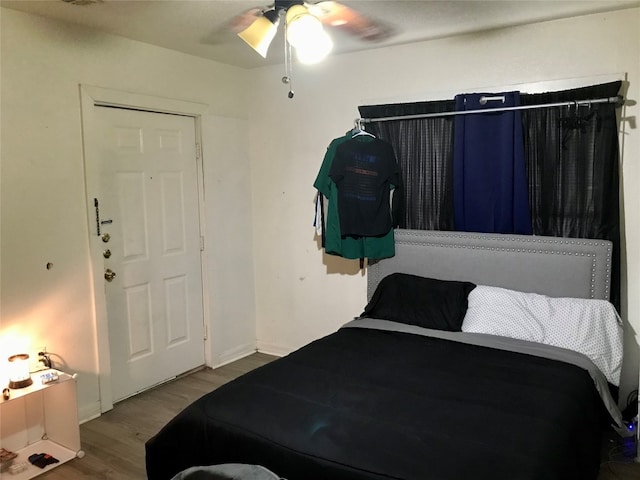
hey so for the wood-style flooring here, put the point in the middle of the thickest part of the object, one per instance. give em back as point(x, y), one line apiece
point(114, 442)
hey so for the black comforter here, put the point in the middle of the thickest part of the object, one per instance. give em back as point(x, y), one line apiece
point(369, 404)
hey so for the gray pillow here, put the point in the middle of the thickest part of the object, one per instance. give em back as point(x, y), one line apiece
point(227, 471)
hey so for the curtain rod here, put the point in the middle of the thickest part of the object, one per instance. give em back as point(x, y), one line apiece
point(619, 100)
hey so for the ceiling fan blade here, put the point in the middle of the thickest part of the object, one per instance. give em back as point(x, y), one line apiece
point(230, 28)
point(346, 19)
point(244, 20)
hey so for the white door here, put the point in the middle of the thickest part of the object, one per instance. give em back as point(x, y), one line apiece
point(146, 204)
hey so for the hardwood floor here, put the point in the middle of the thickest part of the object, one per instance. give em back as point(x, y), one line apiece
point(114, 442)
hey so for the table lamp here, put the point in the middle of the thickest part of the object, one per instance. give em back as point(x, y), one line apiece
point(19, 376)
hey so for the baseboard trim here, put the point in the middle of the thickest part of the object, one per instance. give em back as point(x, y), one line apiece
point(274, 349)
point(89, 412)
point(232, 355)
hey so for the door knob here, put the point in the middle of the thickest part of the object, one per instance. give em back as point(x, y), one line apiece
point(106, 253)
point(106, 237)
point(109, 274)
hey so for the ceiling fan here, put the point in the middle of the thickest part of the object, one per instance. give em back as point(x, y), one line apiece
point(304, 24)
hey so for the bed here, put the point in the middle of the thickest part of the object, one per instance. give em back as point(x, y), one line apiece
point(421, 386)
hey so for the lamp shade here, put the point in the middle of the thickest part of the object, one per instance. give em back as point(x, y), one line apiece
point(260, 33)
point(19, 376)
point(316, 50)
point(306, 34)
point(302, 27)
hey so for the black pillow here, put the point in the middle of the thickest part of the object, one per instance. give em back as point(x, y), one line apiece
point(426, 302)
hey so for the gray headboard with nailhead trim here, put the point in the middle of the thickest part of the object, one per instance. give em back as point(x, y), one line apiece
point(558, 267)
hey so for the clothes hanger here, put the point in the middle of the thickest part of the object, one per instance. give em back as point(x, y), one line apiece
point(358, 129)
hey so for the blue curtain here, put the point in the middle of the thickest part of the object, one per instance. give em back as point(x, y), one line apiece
point(490, 190)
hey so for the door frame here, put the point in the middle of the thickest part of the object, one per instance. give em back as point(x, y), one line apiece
point(91, 97)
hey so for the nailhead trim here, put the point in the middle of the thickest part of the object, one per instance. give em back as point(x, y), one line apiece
point(425, 240)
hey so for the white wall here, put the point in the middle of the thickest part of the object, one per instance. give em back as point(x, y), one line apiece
point(44, 215)
point(261, 155)
point(303, 294)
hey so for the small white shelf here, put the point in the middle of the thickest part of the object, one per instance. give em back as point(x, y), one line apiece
point(37, 384)
point(41, 418)
point(43, 446)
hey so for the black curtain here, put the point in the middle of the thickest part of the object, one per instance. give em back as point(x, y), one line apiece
point(424, 150)
point(572, 158)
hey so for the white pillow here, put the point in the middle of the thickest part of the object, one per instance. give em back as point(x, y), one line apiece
point(591, 327)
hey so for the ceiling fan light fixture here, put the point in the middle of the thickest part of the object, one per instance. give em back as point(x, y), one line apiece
point(316, 50)
point(302, 27)
point(261, 32)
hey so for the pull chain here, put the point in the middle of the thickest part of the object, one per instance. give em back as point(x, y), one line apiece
point(288, 70)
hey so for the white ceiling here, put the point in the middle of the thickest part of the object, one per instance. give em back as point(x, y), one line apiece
point(198, 27)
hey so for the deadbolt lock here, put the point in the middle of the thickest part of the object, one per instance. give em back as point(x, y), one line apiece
point(106, 237)
point(106, 253)
point(109, 275)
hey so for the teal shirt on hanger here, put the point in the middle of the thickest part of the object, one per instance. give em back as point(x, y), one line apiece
point(347, 247)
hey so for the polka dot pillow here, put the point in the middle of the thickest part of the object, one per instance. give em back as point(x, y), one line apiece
point(591, 327)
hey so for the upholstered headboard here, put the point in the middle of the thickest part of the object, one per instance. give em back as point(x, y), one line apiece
point(558, 267)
